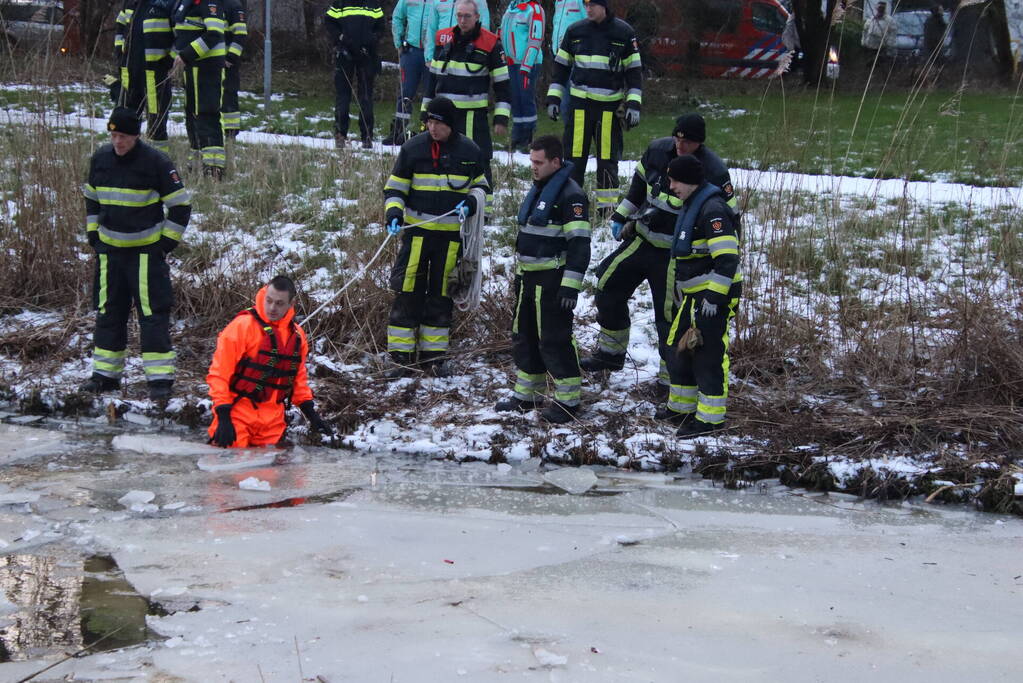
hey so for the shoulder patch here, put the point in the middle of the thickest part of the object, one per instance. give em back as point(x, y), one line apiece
point(716, 224)
point(175, 178)
point(213, 8)
point(577, 210)
point(728, 189)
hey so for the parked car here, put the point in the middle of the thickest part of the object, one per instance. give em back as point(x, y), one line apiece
point(909, 41)
point(35, 23)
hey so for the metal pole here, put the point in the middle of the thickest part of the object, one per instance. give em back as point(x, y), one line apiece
point(267, 51)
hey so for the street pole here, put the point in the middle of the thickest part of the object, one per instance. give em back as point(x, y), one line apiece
point(267, 51)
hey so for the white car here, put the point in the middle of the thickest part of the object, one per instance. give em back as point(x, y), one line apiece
point(32, 23)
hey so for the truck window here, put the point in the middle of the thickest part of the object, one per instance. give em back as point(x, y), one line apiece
point(768, 18)
point(712, 16)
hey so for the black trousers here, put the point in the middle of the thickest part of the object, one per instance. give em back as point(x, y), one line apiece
point(588, 122)
point(133, 277)
point(422, 310)
point(359, 72)
point(230, 112)
point(475, 124)
point(618, 276)
point(149, 88)
point(203, 95)
point(542, 339)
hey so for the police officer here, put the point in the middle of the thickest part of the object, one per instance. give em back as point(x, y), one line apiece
point(644, 252)
point(353, 28)
point(408, 27)
point(553, 250)
point(200, 51)
point(522, 31)
point(466, 59)
point(136, 211)
point(442, 14)
point(708, 283)
point(566, 13)
point(142, 46)
point(236, 38)
point(429, 190)
point(596, 70)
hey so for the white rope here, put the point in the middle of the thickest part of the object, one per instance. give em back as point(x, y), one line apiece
point(470, 270)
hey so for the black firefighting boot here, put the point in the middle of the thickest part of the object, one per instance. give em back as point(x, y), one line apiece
point(98, 383)
point(601, 361)
point(559, 413)
point(160, 389)
point(666, 414)
point(403, 365)
point(435, 363)
point(695, 428)
point(516, 404)
point(215, 173)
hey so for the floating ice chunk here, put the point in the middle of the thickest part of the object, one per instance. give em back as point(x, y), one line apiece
point(158, 444)
point(254, 484)
point(133, 498)
point(18, 498)
point(503, 468)
point(137, 418)
point(177, 505)
point(572, 479)
point(548, 658)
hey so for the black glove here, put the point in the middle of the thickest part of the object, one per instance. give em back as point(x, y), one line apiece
point(567, 298)
point(93, 237)
point(315, 421)
point(168, 244)
point(225, 434)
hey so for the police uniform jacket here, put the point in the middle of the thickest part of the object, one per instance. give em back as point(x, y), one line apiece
point(125, 199)
point(143, 33)
point(355, 26)
point(599, 63)
point(710, 269)
point(199, 29)
point(563, 240)
point(463, 66)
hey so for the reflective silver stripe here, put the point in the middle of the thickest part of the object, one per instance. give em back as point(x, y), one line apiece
point(635, 92)
point(501, 75)
point(719, 279)
point(396, 183)
point(454, 97)
point(572, 275)
point(458, 69)
point(607, 92)
point(558, 59)
point(153, 55)
point(714, 402)
point(426, 181)
point(593, 62)
point(627, 208)
point(524, 119)
point(726, 243)
point(577, 232)
point(658, 239)
point(178, 198)
point(413, 216)
point(710, 418)
point(174, 227)
point(90, 192)
point(556, 90)
point(133, 198)
point(542, 260)
point(663, 205)
point(236, 48)
point(139, 236)
point(694, 282)
point(613, 342)
point(548, 231)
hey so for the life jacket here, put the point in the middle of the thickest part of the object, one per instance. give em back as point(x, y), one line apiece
point(485, 41)
point(685, 224)
point(272, 368)
point(539, 213)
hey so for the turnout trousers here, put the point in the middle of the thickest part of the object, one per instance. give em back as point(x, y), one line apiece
point(230, 112)
point(542, 339)
point(149, 90)
point(203, 95)
point(595, 122)
point(359, 73)
point(123, 278)
point(523, 106)
point(475, 125)
point(422, 310)
point(618, 276)
point(261, 424)
point(699, 378)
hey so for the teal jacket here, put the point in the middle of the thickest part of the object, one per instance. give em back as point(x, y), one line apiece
point(408, 22)
point(522, 29)
point(441, 15)
point(566, 13)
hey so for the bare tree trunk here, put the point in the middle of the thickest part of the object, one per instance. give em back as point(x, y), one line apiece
point(1003, 44)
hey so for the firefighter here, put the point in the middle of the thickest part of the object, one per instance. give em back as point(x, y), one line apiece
point(566, 13)
point(408, 27)
point(596, 71)
point(199, 51)
point(553, 251)
point(708, 283)
point(466, 59)
point(142, 47)
point(522, 30)
point(136, 211)
point(236, 38)
point(442, 14)
point(429, 189)
point(644, 251)
point(353, 29)
point(258, 368)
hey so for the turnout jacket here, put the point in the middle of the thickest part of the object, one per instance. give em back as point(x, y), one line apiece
point(440, 14)
point(430, 178)
point(199, 29)
point(554, 229)
point(143, 34)
point(522, 29)
point(236, 36)
point(566, 13)
point(649, 198)
point(242, 338)
point(463, 67)
point(408, 23)
point(125, 199)
point(355, 26)
point(707, 251)
point(598, 63)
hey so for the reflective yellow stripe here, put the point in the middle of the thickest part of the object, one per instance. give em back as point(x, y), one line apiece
point(195, 89)
point(605, 135)
point(124, 78)
point(144, 284)
point(102, 283)
point(151, 92)
point(578, 130)
point(470, 118)
point(449, 265)
point(413, 265)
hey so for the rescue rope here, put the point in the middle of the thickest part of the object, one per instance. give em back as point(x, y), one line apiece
point(469, 271)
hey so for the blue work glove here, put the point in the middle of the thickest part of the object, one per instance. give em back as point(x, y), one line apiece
point(708, 310)
point(631, 118)
point(394, 227)
point(553, 111)
point(616, 229)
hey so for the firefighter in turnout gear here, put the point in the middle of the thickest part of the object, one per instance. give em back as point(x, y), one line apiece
point(142, 46)
point(236, 38)
point(553, 251)
point(522, 30)
point(200, 51)
point(597, 70)
point(644, 251)
point(408, 27)
point(708, 283)
point(257, 369)
point(442, 14)
point(428, 189)
point(467, 58)
point(566, 13)
point(136, 211)
point(353, 29)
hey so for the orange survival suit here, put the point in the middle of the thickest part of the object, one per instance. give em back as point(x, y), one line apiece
point(258, 418)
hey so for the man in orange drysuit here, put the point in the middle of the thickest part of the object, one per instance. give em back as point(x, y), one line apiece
point(258, 365)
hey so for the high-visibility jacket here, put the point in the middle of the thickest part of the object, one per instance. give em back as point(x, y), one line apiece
point(522, 29)
point(440, 14)
point(237, 35)
point(355, 25)
point(199, 28)
point(599, 63)
point(408, 23)
point(143, 33)
point(709, 266)
point(242, 338)
point(463, 67)
point(430, 178)
point(125, 199)
point(566, 13)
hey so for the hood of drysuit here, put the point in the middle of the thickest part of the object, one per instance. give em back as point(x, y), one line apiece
point(282, 326)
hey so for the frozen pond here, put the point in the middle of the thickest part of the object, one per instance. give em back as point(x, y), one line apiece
point(360, 568)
